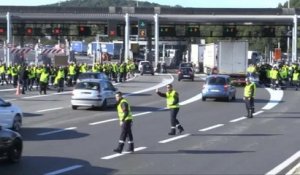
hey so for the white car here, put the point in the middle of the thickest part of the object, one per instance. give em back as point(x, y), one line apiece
point(10, 115)
point(93, 93)
point(142, 63)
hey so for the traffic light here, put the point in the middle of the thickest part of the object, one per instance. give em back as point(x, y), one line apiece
point(192, 31)
point(167, 31)
point(268, 32)
point(57, 31)
point(112, 29)
point(142, 24)
point(229, 31)
point(84, 31)
point(142, 33)
point(2, 31)
point(29, 31)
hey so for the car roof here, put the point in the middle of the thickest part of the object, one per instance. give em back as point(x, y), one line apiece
point(218, 75)
point(94, 80)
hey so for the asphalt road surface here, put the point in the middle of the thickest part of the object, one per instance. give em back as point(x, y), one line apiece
point(218, 138)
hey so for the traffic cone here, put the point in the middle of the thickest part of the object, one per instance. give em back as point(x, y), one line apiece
point(18, 89)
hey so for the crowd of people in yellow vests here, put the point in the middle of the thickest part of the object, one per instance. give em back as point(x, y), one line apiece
point(276, 75)
point(41, 76)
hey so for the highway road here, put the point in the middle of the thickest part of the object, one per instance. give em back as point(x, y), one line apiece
point(218, 138)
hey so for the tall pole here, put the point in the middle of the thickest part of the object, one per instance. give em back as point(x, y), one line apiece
point(127, 24)
point(156, 26)
point(294, 45)
point(8, 41)
point(288, 41)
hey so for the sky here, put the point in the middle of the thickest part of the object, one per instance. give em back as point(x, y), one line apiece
point(184, 3)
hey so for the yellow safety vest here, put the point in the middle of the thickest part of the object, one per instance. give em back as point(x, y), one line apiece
point(44, 77)
point(170, 100)
point(248, 90)
point(121, 112)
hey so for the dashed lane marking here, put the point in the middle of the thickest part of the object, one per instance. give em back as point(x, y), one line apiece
point(122, 154)
point(64, 170)
point(174, 138)
point(211, 127)
point(56, 131)
point(238, 119)
point(50, 109)
point(258, 112)
point(104, 121)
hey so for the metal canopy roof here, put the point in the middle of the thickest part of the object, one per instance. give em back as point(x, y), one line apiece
point(45, 14)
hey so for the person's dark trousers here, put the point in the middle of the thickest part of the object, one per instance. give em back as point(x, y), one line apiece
point(15, 81)
point(60, 85)
point(43, 87)
point(249, 102)
point(296, 85)
point(3, 78)
point(23, 84)
point(174, 121)
point(126, 132)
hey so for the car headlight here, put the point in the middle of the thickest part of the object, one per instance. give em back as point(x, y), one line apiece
point(6, 140)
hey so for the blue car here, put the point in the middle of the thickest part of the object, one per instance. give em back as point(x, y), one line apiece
point(218, 87)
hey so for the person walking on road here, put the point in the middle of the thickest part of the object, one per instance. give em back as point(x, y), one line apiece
point(249, 93)
point(125, 118)
point(172, 98)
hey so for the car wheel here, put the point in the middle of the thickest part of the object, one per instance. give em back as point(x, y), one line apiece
point(15, 152)
point(74, 107)
point(203, 98)
point(17, 123)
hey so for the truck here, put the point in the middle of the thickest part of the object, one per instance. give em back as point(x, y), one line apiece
point(112, 49)
point(197, 53)
point(79, 47)
point(233, 59)
point(210, 57)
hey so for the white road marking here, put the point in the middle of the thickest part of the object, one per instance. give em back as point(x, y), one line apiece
point(142, 113)
point(276, 97)
point(238, 119)
point(50, 109)
point(64, 170)
point(283, 165)
point(123, 153)
point(174, 138)
point(104, 121)
point(258, 112)
point(211, 127)
point(57, 131)
point(292, 171)
point(190, 100)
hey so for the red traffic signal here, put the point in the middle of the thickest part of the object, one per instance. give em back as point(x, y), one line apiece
point(2, 30)
point(57, 31)
point(84, 31)
point(29, 31)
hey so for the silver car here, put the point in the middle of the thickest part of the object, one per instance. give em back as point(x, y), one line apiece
point(93, 93)
point(10, 115)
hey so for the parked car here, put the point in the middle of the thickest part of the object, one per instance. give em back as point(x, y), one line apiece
point(10, 115)
point(91, 75)
point(93, 93)
point(218, 86)
point(186, 73)
point(11, 145)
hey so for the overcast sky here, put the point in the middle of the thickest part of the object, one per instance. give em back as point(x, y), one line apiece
point(184, 3)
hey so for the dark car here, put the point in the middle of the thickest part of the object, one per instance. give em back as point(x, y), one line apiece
point(11, 145)
point(218, 86)
point(186, 73)
point(147, 69)
point(181, 65)
point(91, 75)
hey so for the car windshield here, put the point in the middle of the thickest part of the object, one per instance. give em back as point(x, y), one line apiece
point(186, 65)
point(88, 86)
point(92, 76)
point(216, 81)
point(186, 70)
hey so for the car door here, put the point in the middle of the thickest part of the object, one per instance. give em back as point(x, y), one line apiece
point(109, 92)
point(5, 113)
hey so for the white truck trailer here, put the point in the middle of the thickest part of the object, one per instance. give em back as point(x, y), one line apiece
point(233, 59)
point(210, 56)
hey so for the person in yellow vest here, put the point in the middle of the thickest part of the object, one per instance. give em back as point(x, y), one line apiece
point(44, 78)
point(59, 79)
point(249, 93)
point(3, 74)
point(295, 79)
point(172, 98)
point(125, 118)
